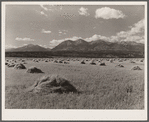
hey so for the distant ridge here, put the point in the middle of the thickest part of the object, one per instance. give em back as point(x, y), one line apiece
point(28, 48)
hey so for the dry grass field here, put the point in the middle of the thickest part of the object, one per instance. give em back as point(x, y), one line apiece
point(100, 87)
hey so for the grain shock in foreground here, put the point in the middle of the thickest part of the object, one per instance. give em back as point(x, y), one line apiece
point(52, 84)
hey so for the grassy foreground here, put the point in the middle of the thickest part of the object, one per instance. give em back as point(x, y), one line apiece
point(101, 87)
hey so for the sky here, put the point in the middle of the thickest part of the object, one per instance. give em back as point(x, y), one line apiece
point(49, 25)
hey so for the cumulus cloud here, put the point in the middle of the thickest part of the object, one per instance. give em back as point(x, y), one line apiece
point(96, 37)
point(64, 32)
point(9, 46)
point(138, 27)
point(83, 11)
point(54, 43)
point(45, 31)
point(45, 46)
point(24, 39)
point(136, 33)
point(134, 38)
point(74, 38)
point(108, 13)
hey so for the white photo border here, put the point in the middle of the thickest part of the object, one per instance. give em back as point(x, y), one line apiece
point(71, 114)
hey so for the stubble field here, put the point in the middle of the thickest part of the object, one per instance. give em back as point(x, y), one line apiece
point(100, 87)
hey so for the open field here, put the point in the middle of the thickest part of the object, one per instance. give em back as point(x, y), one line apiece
point(100, 87)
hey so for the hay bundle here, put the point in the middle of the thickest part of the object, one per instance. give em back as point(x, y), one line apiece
point(141, 60)
point(55, 61)
point(125, 59)
point(33, 69)
point(92, 62)
point(52, 84)
point(7, 60)
point(60, 61)
point(66, 62)
point(35, 60)
point(24, 63)
point(19, 66)
point(102, 64)
point(132, 62)
point(12, 60)
point(119, 65)
point(111, 61)
point(23, 60)
point(6, 63)
point(136, 68)
point(82, 62)
point(11, 65)
point(120, 60)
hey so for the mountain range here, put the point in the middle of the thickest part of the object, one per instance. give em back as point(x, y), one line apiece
point(28, 48)
point(82, 45)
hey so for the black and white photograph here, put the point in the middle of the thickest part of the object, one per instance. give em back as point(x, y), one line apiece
point(74, 60)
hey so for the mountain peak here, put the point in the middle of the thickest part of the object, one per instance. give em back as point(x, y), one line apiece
point(80, 41)
point(67, 42)
point(30, 45)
